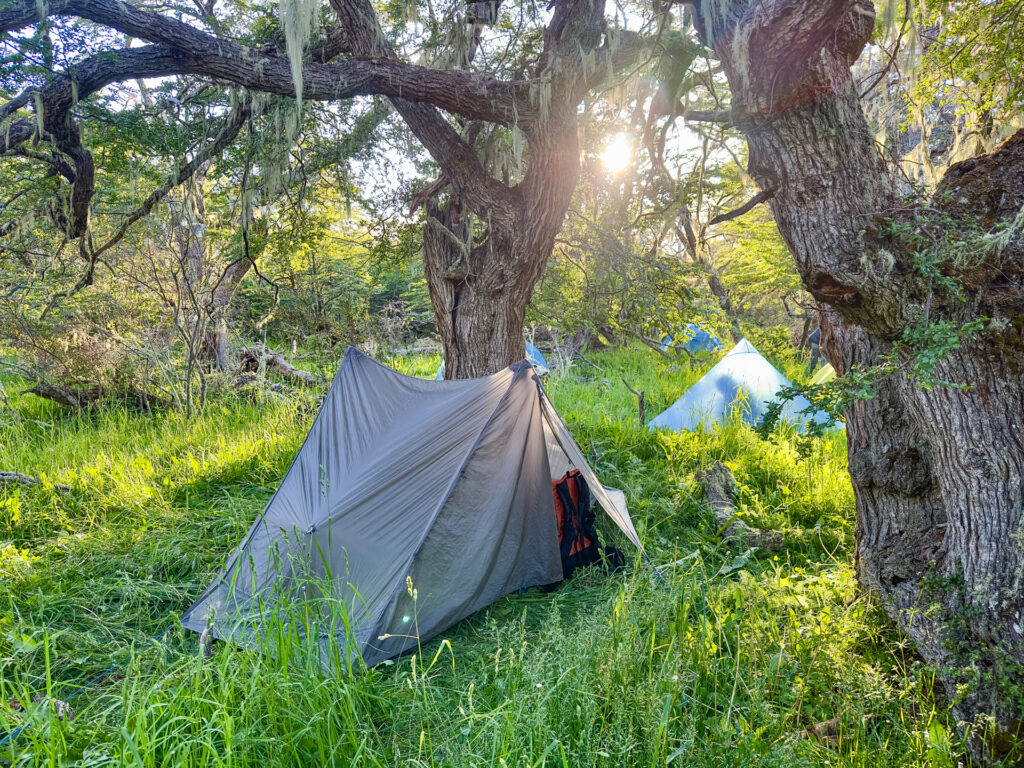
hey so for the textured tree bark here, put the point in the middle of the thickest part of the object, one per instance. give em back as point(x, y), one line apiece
point(479, 322)
point(938, 473)
point(483, 299)
point(486, 245)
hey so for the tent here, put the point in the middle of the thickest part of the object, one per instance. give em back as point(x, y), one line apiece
point(695, 339)
point(532, 354)
point(444, 483)
point(824, 376)
point(742, 381)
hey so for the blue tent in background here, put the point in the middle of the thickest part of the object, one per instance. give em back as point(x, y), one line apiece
point(697, 340)
point(743, 382)
point(532, 354)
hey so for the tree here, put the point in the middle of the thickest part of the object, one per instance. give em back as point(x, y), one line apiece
point(929, 291)
point(485, 247)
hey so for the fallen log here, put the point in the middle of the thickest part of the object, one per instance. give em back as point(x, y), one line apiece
point(69, 398)
point(252, 357)
point(83, 399)
point(17, 478)
point(424, 349)
point(720, 493)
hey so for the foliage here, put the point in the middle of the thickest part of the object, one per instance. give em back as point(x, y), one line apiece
point(731, 668)
point(603, 281)
point(758, 271)
point(332, 275)
point(961, 41)
point(932, 88)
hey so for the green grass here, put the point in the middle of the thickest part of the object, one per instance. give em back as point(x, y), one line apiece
point(746, 652)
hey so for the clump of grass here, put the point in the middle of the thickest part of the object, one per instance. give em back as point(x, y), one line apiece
point(745, 654)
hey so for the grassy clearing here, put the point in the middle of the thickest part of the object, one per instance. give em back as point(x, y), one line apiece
point(745, 653)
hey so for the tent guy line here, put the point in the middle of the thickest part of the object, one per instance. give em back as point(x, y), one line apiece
point(92, 681)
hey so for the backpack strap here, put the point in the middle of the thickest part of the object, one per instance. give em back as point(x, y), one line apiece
point(569, 533)
point(578, 542)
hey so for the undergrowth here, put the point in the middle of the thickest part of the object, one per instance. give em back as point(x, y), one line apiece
point(742, 663)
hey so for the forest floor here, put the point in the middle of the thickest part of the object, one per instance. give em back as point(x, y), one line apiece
point(752, 659)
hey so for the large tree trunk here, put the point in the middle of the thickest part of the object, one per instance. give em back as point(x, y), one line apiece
point(478, 318)
point(487, 244)
point(481, 278)
point(938, 472)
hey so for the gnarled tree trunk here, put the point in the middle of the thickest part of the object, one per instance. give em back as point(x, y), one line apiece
point(480, 286)
point(938, 472)
point(479, 319)
point(486, 245)
point(217, 343)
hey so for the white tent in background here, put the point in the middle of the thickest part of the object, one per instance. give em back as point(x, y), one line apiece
point(824, 376)
point(742, 383)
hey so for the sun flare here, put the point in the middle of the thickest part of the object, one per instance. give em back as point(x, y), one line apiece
point(618, 154)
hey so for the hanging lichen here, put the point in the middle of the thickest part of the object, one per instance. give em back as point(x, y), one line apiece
point(518, 144)
point(1000, 240)
point(297, 17)
point(540, 93)
point(37, 98)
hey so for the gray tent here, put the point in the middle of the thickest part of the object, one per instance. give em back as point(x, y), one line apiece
point(446, 483)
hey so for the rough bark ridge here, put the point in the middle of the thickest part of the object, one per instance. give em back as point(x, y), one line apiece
point(938, 473)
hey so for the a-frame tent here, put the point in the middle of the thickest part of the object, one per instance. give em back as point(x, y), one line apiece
point(823, 376)
point(447, 484)
point(742, 383)
point(693, 338)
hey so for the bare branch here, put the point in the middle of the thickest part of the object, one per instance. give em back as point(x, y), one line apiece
point(748, 206)
point(185, 171)
point(469, 94)
point(722, 116)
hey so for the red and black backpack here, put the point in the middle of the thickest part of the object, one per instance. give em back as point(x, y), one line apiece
point(577, 538)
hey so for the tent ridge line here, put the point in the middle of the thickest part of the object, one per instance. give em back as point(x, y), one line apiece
point(320, 521)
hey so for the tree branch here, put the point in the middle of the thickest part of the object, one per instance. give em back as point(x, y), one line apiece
point(459, 163)
point(722, 116)
point(469, 94)
point(229, 130)
point(719, 488)
point(762, 196)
